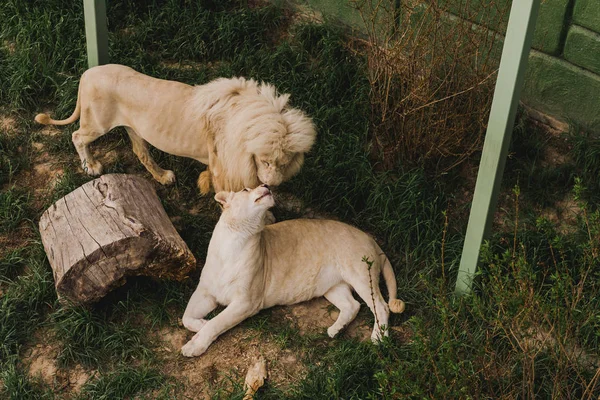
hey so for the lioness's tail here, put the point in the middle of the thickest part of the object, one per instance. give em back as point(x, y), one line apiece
point(45, 119)
point(396, 305)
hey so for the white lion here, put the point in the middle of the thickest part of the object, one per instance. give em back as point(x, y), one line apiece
point(251, 266)
point(244, 131)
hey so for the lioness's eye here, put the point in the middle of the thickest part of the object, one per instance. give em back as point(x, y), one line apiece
point(246, 190)
point(266, 163)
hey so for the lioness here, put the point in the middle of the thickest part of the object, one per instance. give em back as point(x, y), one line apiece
point(244, 131)
point(251, 266)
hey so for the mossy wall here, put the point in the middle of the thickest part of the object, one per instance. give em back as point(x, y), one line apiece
point(563, 75)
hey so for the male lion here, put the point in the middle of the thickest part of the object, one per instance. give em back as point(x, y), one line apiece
point(251, 266)
point(241, 129)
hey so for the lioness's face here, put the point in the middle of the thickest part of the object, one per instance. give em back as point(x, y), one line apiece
point(247, 203)
point(270, 170)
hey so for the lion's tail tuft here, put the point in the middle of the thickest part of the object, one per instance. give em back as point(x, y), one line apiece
point(396, 306)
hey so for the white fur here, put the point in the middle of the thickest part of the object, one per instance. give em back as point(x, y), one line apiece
point(243, 130)
point(251, 266)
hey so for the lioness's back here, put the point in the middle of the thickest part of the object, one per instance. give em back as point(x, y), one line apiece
point(316, 240)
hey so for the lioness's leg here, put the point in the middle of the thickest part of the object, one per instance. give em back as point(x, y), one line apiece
point(341, 297)
point(198, 307)
point(140, 148)
point(235, 313)
point(369, 292)
point(81, 139)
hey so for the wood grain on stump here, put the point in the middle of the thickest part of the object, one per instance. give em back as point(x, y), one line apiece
point(106, 230)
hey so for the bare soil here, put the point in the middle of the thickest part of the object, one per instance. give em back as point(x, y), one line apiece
point(41, 358)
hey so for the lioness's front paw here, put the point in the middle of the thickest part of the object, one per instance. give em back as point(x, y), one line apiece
point(92, 168)
point(332, 332)
point(167, 178)
point(191, 350)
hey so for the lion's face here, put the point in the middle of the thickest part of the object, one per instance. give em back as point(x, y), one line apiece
point(272, 170)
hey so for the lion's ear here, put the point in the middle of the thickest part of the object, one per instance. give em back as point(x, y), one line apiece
point(223, 198)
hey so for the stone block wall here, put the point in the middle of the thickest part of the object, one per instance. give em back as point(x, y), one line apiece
point(565, 82)
point(563, 76)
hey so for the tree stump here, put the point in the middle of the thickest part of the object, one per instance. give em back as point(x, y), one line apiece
point(106, 230)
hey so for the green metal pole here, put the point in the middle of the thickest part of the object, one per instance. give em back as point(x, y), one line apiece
point(513, 63)
point(96, 32)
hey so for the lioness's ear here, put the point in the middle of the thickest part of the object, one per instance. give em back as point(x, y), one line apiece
point(223, 197)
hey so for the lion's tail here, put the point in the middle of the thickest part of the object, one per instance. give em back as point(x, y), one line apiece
point(45, 119)
point(396, 306)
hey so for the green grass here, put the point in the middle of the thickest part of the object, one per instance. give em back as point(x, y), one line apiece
point(14, 155)
point(24, 304)
point(92, 339)
point(18, 385)
point(459, 347)
point(13, 209)
point(127, 381)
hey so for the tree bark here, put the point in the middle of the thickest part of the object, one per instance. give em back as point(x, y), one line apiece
point(106, 230)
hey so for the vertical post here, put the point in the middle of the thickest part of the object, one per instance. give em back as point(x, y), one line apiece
point(515, 52)
point(96, 32)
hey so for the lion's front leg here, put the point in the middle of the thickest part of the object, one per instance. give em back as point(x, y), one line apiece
point(235, 313)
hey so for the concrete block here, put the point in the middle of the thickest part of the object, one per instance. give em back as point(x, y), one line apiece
point(582, 48)
point(551, 19)
point(550, 22)
point(561, 89)
point(587, 14)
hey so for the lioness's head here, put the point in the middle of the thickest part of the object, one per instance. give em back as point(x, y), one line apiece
point(246, 207)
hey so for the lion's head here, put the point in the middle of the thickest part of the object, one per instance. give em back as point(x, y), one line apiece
point(262, 139)
point(278, 143)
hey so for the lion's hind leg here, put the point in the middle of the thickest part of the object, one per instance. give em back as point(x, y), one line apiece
point(368, 289)
point(140, 148)
point(81, 139)
point(341, 296)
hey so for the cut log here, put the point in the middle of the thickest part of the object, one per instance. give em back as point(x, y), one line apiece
point(106, 230)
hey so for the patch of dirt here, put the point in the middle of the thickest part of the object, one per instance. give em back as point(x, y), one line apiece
point(50, 130)
point(41, 359)
point(303, 14)
point(236, 350)
point(42, 363)
point(230, 355)
point(554, 156)
point(46, 171)
point(563, 215)
point(8, 123)
point(186, 65)
point(75, 378)
point(316, 315)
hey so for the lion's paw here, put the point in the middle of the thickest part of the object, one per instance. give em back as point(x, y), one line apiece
point(167, 178)
point(332, 332)
point(191, 350)
point(92, 168)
